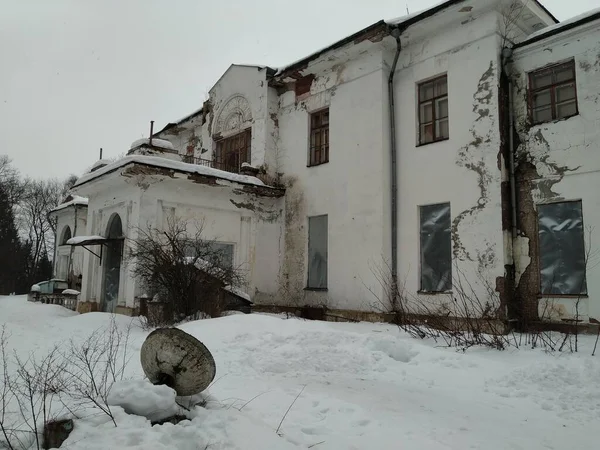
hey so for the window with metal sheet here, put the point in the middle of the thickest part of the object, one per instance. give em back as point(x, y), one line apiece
point(436, 248)
point(562, 249)
point(553, 93)
point(317, 252)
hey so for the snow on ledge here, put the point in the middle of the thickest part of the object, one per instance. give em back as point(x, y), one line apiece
point(238, 292)
point(179, 166)
point(35, 288)
point(70, 292)
point(80, 239)
point(76, 200)
point(161, 143)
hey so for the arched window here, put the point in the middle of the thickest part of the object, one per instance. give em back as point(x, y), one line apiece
point(66, 235)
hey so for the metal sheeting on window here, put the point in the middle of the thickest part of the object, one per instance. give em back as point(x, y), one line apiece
point(317, 252)
point(562, 248)
point(436, 248)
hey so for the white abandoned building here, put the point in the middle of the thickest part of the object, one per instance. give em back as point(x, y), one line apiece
point(456, 143)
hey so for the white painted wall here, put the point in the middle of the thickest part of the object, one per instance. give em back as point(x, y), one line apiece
point(66, 218)
point(349, 188)
point(250, 223)
point(565, 153)
point(462, 170)
point(109, 195)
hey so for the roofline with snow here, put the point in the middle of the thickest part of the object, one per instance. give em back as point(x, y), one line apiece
point(67, 205)
point(274, 191)
point(559, 30)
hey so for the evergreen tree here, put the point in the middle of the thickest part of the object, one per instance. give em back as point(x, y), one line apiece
point(10, 247)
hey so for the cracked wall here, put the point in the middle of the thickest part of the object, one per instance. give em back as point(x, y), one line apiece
point(463, 170)
point(557, 161)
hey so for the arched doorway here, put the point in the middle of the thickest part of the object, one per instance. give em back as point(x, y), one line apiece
point(113, 255)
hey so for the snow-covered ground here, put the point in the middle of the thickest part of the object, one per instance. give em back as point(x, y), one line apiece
point(364, 386)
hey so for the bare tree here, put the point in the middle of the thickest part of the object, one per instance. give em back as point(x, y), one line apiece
point(39, 199)
point(186, 271)
point(11, 180)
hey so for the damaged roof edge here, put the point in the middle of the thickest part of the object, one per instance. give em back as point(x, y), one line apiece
point(158, 166)
point(558, 30)
point(302, 62)
point(383, 24)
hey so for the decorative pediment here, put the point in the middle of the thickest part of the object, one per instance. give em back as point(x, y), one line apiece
point(234, 116)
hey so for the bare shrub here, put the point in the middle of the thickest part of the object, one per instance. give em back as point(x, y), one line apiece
point(460, 319)
point(185, 271)
point(74, 381)
point(95, 365)
point(30, 395)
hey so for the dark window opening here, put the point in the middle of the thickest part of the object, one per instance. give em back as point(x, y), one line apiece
point(233, 151)
point(319, 137)
point(317, 252)
point(553, 94)
point(562, 249)
point(66, 236)
point(436, 248)
point(433, 110)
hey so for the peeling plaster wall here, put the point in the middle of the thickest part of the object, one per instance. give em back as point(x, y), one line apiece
point(227, 215)
point(349, 189)
point(560, 161)
point(251, 223)
point(462, 170)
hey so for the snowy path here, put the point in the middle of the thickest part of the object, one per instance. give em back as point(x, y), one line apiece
point(367, 386)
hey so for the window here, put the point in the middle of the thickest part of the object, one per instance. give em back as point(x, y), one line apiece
point(319, 137)
point(433, 110)
point(220, 252)
point(552, 93)
point(436, 248)
point(317, 252)
point(233, 151)
point(66, 235)
point(562, 248)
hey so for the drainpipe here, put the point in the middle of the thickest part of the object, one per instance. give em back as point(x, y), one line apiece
point(506, 55)
point(395, 33)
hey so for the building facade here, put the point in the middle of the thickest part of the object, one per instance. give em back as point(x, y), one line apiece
point(410, 154)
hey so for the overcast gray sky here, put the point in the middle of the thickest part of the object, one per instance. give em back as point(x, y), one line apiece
point(77, 75)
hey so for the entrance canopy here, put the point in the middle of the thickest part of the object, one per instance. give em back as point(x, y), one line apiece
point(85, 241)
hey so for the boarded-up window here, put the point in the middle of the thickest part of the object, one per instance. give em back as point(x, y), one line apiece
point(436, 248)
point(433, 110)
point(562, 248)
point(553, 94)
point(319, 137)
point(317, 252)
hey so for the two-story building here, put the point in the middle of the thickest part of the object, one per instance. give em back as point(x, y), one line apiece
point(425, 152)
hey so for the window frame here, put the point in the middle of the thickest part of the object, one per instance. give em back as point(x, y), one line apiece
point(219, 158)
point(541, 293)
point(552, 68)
point(312, 161)
point(433, 100)
point(309, 287)
point(449, 289)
